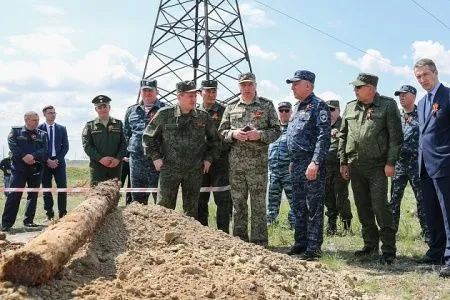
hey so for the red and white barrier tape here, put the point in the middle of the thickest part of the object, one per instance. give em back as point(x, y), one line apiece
point(122, 190)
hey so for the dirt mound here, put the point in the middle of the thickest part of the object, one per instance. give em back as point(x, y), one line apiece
point(144, 252)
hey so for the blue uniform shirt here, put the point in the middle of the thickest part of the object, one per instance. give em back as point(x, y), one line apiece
point(134, 124)
point(410, 147)
point(278, 152)
point(309, 130)
point(21, 142)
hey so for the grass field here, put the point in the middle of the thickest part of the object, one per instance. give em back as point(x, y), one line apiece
point(403, 280)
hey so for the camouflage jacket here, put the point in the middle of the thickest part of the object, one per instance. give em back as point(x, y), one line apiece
point(260, 113)
point(216, 113)
point(100, 141)
point(334, 145)
point(179, 139)
point(409, 151)
point(278, 152)
point(371, 134)
point(309, 129)
point(134, 124)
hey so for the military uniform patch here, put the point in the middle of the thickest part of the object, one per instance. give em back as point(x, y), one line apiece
point(323, 116)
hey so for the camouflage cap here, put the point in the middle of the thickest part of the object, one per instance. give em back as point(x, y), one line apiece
point(101, 100)
point(209, 84)
point(149, 84)
point(187, 86)
point(406, 89)
point(285, 104)
point(333, 103)
point(364, 79)
point(247, 77)
point(302, 75)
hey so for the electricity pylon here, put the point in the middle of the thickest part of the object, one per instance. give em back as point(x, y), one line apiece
point(197, 40)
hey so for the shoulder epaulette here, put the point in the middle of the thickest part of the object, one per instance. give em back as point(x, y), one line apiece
point(265, 99)
point(386, 98)
point(232, 101)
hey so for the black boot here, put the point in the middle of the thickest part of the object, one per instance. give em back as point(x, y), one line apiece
point(331, 230)
point(347, 227)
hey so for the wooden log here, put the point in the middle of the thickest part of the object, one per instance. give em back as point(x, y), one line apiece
point(44, 256)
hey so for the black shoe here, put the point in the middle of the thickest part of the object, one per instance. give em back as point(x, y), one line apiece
point(366, 251)
point(428, 260)
point(31, 225)
point(311, 255)
point(445, 272)
point(387, 258)
point(296, 250)
point(5, 229)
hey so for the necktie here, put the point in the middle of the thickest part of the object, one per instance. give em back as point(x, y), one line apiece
point(50, 142)
point(428, 104)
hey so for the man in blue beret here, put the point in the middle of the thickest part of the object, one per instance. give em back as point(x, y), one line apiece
point(308, 139)
point(104, 142)
point(279, 176)
point(407, 166)
point(142, 171)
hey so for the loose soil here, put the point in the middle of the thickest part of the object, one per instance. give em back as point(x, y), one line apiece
point(150, 252)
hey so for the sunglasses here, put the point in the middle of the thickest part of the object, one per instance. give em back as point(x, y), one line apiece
point(360, 87)
point(284, 110)
point(332, 108)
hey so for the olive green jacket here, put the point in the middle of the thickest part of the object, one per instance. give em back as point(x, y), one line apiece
point(100, 141)
point(371, 134)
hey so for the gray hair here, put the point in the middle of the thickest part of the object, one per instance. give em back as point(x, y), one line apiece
point(426, 62)
point(29, 114)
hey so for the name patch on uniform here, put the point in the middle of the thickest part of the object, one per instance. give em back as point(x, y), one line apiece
point(323, 116)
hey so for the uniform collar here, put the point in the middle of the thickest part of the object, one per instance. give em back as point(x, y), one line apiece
point(24, 129)
point(215, 107)
point(110, 120)
point(157, 104)
point(177, 112)
point(414, 111)
point(255, 100)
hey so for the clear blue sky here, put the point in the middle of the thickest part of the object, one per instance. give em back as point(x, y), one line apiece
point(66, 52)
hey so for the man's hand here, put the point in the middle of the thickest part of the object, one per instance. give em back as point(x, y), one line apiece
point(114, 163)
point(158, 164)
point(334, 131)
point(126, 159)
point(345, 172)
point(106, 161)
point(253, 135)
point(239, 135)
point(52, 163)
point(29, 159)
point(311, 171)
point(389, 170)
point(206, 166)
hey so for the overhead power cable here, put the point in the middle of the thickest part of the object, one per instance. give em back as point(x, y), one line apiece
point(430, 13)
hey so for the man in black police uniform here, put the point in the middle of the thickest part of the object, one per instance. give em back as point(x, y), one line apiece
point(28, 146)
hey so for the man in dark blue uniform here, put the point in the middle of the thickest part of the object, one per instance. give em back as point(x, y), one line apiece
point(29, 152)
point(142, 171)
point(308, 138)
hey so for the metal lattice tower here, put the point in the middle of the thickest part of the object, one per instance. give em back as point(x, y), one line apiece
point(197, 40)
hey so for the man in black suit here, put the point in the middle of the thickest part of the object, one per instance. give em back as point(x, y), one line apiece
point(58, 145)
point(434, 161)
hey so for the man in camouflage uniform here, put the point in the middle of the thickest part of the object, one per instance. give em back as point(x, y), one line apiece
point(137, 117)
point(249, 123)
point(336, 188)
point(308, 140)
point(219, 170)
point(369, 144)
point(407, 166)
point(104, 142)
point(182, 141)
point(279, 176)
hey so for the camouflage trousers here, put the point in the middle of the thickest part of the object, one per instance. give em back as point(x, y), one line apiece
point(244, 183)
point(217, 176)
point(336, 194)
point(190, 178)
point(279, 181)
point(370, 185)
point(308, 202)
point(398, 185)
point(143, 175)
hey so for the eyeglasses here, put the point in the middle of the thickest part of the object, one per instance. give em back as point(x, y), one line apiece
point(284, 110)
point(360, 87)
